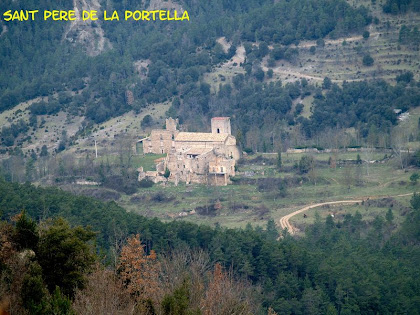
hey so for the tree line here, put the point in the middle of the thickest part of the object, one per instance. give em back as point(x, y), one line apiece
point(53, 65)
point(339, 267)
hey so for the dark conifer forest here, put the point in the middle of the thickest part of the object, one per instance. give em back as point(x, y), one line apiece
point(322, 211)
point(344, 267)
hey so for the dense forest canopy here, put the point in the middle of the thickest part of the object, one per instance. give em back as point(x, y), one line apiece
point(37, 60)
point(62, 242)
point(264, 107)
point(401, 6)
point(344, 267)
point(178, 55)
point(362, 104)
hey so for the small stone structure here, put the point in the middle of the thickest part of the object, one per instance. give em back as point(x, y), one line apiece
point(193, 157)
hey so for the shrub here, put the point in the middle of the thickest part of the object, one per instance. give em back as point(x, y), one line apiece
point(305, 164)
point(312, 50)
point(368, 60)
point(147, 121)
point(167, 173)
point(145, 183)
point(366, 34)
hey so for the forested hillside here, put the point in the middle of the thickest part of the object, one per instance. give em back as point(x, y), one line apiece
point(237, 59)
point(53, 64)
point(335, 81)
point(364, 105)
point(340, 267)
point(148, 63)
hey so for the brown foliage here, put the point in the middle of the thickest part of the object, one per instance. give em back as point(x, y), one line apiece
point(142, 283)
point(139, 271)
point(11, 277)
point(225, 295)
point(7, 247)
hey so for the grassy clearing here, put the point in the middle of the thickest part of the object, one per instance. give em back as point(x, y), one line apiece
point(51, 127)
point(307, 104)
point(368, 210)
point(146, 161)
point(128, 124)
point(341, 59)
point(241, 204)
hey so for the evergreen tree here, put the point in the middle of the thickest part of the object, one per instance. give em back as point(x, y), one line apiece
point(44, 151)
point(271, 230)
point(64, 255)
point(389, 216)
point(279, 161)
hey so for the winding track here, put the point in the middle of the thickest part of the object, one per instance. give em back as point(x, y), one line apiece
point(284, 221)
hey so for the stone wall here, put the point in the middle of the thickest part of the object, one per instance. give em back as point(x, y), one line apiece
point(161, 141)
point(221, 125)
point(205, 158)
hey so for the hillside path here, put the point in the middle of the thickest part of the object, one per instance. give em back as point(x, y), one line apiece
point(284, 221)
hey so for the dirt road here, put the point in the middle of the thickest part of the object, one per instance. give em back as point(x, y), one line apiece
point(284, 221)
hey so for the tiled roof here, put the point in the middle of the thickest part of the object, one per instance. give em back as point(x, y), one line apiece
point(201, 137)
point(198, 151)
point(220, 118)
point(157, 161)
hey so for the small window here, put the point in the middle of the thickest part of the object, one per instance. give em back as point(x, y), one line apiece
point(173, 137)
point(218, 130)
point(221, 169)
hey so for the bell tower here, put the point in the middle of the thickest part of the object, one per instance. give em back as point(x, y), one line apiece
point(220, 125)
point(171, 124)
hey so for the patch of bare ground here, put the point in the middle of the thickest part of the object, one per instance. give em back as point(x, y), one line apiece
point(340, 59)
point(87, 33)
point(142, 68)
point(3, 29)
point(128, 124)
point(285, 224)
point(165, 5)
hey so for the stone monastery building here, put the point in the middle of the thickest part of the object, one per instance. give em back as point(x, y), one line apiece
point(193, 157)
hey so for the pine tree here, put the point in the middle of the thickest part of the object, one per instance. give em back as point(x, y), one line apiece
point(279, 161)
point(44, 151)
point(64, 255)
point(271, 230)
point(389, 216)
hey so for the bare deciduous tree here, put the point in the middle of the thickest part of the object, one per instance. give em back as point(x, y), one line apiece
point(104, 294)
point(398, 144)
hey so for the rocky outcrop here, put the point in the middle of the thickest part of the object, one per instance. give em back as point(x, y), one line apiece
point(89, 34)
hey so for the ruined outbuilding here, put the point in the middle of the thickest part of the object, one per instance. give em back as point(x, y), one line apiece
point(193, 157)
